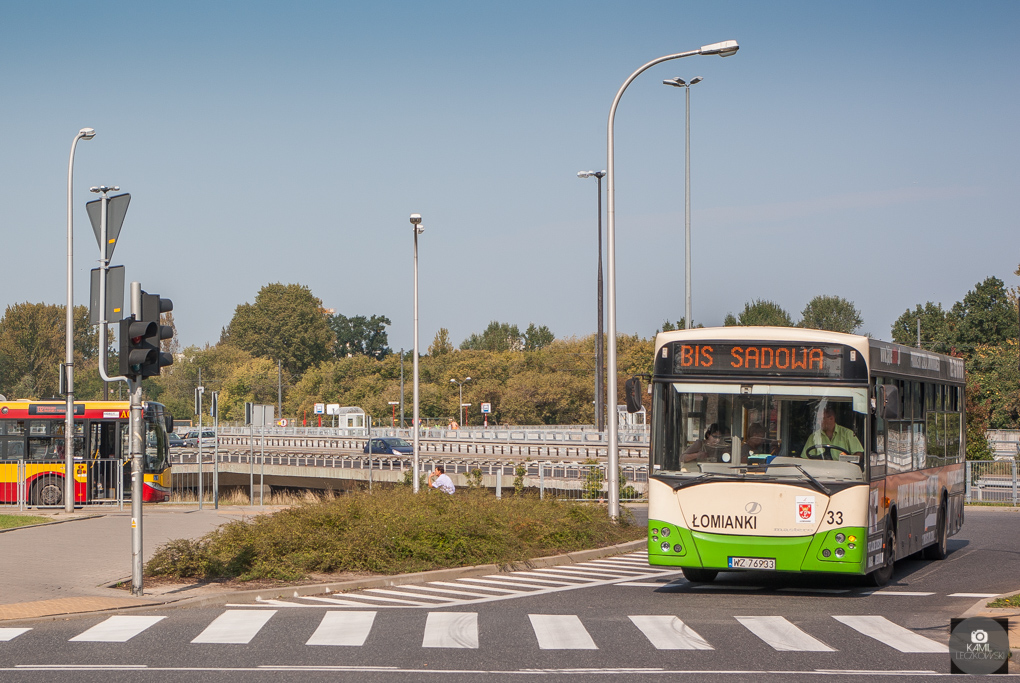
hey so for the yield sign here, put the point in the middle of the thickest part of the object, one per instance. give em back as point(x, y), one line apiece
point(115, 211)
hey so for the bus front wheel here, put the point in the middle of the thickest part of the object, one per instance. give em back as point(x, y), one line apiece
point(48, 492)
point(699, 574)
point(881, 576)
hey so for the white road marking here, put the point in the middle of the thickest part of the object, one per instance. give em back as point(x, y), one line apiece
point(343, 628)
point(973, 595)
point(724, 587)
point(116, 630)
point(669, 633)
point(234, 626)
point(404, 596)
point(11, 633)
point(329, 601)
point(447, 591)
point(451, 629)
point(893, 635)
point(815, 590)
point(561, 632)
point(546, 578)
point(904, 593)
point(644, 584)
point(594, 573)
point(530, 586)
point(782, 636)
point(491, 589)
point(359, 596)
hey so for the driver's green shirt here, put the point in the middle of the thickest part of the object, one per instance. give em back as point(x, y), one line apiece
point(841, 438)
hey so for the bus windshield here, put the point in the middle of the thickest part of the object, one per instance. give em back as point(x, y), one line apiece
point(814, 432)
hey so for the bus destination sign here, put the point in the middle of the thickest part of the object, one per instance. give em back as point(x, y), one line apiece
point(773, 359)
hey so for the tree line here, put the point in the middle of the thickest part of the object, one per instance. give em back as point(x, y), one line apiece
point(286, 337)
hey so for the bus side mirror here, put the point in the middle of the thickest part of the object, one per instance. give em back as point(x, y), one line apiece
point(632, 392)
point(888, 407)
point(168, 421)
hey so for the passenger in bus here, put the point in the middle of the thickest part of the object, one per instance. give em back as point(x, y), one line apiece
point(707, 449)
point(831, 434)
point(757, 444)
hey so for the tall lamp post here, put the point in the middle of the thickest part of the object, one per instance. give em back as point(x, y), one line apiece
point(723, 49)
point(600, 405)
point(83, 134)
point(680, 83)
point(418, 229)
point(460, 385)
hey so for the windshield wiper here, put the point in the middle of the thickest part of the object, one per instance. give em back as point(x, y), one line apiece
point(814, 482)
point(705, 477)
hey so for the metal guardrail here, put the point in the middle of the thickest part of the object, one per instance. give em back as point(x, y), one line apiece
point(40, 484)
point(637, 436)
point(992, 481)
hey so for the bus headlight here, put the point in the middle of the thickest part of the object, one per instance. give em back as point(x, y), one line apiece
point(665, 546)
point(677, 548)
point(840, 552)
point(826, 553)
point(653, 531)
point(665, 531)
point(840, 538)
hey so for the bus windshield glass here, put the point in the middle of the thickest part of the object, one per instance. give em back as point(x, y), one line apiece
point(759, 430)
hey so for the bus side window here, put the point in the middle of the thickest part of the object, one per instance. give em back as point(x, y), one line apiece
point(878, 425)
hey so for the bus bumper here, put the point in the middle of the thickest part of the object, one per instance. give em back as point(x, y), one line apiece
point(815, 553)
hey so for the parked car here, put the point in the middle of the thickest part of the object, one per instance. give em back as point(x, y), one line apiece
point(175, 440)
point(388, 445)
point(208, 438)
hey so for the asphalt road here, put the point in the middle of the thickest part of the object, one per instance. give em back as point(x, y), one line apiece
point(609, 619)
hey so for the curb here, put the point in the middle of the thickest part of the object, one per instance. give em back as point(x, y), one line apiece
point(225, 597)
point(57, 521)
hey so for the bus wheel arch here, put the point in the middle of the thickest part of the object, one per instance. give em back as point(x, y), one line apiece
point(47, 490)
point(881, 576)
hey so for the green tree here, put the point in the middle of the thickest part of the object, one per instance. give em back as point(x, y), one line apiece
point(536, 338)
point(32, 348)
point(360, 336)
point(441, 344)
point(286, 323)
point(761, 312)
point(935, 328)
point(977, 423)
point(995, 380)
point(496, 337)
point(832, 313)
point(985, 316)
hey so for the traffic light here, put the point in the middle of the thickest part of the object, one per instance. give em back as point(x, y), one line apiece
point(135, 351)
point(152, 307)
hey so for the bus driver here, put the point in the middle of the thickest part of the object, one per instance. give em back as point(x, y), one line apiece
point(831, 434)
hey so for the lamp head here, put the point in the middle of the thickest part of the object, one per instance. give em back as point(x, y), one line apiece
point(726, 48)
point(453, 381)
point(467, 379)
point(696, 79)
point(415, 218)
point(675, 82)
point(585, 174)
point(87, 133)
point(599, 174)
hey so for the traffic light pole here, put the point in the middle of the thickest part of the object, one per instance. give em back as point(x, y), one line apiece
point(137, 446)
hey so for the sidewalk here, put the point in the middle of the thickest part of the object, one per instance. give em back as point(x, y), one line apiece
point(63, 568)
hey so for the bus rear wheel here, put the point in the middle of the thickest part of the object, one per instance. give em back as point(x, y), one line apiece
point(48, 492)
point(699, 574)
point(941, 547)
point(881, 576)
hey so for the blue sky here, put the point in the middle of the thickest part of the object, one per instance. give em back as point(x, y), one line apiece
point(866, 150)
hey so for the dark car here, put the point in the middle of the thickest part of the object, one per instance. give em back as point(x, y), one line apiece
point(388, 445)
point(174, 440)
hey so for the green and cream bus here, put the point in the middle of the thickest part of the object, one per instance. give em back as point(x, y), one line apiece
point(794, 450)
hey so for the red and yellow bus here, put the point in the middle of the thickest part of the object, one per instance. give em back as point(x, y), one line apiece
point(32, 452)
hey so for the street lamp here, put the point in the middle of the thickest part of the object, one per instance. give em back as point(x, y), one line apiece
point(723, 49)
point(460, 385)
point(688, 310)
point(600, 406)
point(417, 229)
point(83, 134)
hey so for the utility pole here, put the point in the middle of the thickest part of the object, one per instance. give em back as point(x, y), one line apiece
point(137, 449)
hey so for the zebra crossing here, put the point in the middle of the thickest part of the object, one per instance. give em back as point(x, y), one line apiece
point(457, 629)
point(629, 568)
